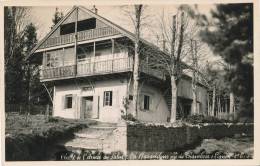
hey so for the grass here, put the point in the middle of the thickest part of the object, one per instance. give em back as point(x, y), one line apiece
point(30, 138)
point(36, 124)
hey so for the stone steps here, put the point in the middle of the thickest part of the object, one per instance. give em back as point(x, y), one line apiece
point(95, 137)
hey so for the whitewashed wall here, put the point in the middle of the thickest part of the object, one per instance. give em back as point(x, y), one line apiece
point(158, 109)
point(106, 113)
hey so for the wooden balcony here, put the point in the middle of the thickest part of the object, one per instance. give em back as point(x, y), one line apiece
point(105, 66)
point(82, 35)
point(152, 72)
point(87, 69)
point(58, 72)
point(96, 68)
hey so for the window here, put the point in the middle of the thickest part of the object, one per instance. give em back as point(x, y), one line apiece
point(48, 60)
point(103, 48)
point(68, 101)
point(146, 102)
point(130, 97)
point(67, 28)
point(82, 26)
point(87, 24)
point(53, 58)
point(107, 98)
point(85, 51)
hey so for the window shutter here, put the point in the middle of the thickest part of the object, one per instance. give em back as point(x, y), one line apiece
point(78, 110)
point(63, 102)
point(44, 59)
point(74, 101)
point(141, 101)
point(104, 98)
point(95, 106)
point(111, 98)
point(151, 103)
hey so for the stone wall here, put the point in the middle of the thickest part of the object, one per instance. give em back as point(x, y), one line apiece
point(163, 138)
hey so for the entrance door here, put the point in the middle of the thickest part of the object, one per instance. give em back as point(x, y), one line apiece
point(87, 107)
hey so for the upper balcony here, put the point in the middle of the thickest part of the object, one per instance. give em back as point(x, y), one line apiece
point(82, 35)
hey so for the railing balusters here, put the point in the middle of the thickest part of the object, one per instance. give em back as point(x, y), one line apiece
point(98, 67)
point(83, 35)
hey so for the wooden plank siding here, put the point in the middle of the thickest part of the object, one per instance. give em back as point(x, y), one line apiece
point(82, 36)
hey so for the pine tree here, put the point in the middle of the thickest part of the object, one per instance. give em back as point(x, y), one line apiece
point(232, 39)
point(13, 39)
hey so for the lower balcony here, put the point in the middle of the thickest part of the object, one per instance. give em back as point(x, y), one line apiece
point(88, 68)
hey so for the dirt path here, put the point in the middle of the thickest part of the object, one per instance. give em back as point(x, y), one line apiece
point(102, 137)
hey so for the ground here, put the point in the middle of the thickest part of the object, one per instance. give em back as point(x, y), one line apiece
point(98, 136)
point(35, 124)
point(241, 147)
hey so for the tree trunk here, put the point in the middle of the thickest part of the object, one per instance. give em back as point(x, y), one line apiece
point(208, 109)
point(29, 88)
point(213, 101)
point(194, 88)
point(138, 11)
point(194, 100)
point(174, 99)
point(231, 105)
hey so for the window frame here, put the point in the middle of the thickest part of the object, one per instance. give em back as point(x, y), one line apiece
point(68, 99)
point(146, 106)
point(108, 98)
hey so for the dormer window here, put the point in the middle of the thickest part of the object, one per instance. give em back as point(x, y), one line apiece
point(83, 25)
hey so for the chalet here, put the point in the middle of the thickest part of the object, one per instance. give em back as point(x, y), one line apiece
point(89, 62)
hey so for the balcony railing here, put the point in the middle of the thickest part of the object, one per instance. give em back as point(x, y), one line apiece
point(88, 68)
point(82, 35)
point(152, 72)
point(106, 66)
point(58, 72)
point(97, 68)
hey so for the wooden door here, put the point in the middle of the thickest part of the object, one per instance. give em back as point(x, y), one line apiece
point(87, 107)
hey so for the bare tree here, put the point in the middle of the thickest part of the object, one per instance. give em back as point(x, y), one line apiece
point(177, 39)
point(138, 12)
point(194, 75)
point(15, 23)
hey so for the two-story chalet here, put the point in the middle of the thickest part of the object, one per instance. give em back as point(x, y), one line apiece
point(89, 62)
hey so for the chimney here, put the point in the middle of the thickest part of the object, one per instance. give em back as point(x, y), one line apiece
point(94, 9)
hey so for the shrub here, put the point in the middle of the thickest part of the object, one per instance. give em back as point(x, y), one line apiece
point(195, 119)
point(129, 117)
point(52, 119)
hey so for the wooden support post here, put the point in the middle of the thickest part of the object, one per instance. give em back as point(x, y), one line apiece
point(94, 58)
point(63, 54)
point(113, 49)
point(76, 40)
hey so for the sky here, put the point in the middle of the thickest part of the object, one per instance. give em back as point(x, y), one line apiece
point(42, 16)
